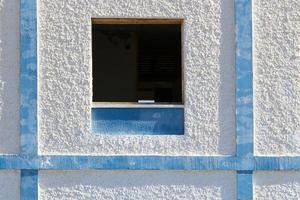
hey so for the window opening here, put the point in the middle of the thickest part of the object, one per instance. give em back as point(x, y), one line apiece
point(137, 61)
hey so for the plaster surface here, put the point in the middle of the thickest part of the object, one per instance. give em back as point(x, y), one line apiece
point(9, 185)
point(136, 185)
point(9, 76)
point(65, 82)
point(276, 185)
point(277, 77)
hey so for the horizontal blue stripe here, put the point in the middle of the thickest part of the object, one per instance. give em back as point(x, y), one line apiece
point(18, 162)
point(139, 163)
point(124, 162)
point(150, 162)
point(277, 163)
point(138, 121)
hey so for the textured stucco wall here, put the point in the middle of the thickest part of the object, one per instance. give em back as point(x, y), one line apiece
point(136, 185)
point(277, 77)
point(277, 185)
point(9, 76)
point(9, 185)
point(65, 77)
point(65, 99)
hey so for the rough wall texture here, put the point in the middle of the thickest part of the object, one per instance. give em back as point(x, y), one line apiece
point(9, 185)
point(277, 185)
point(136, 185)
point(65, 89)
point(9, 76)
point(277, 77)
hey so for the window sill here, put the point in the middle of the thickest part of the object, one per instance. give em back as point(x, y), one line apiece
point(134, 105)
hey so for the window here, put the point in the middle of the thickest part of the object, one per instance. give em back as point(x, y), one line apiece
point(137, 61)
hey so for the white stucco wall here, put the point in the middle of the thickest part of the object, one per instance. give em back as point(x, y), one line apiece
point(65, 90)
point(277, 185)
point(137, 185)
point(9, 185)
point(9, 76)
point(65, 99)
point(277, 77)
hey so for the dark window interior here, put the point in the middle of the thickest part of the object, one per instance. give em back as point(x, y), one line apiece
point(134, 62)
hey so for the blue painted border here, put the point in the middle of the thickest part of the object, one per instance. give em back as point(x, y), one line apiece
point(244, 78)
point(29, 162)
point(150, 163)
point(244, 94)
point(28, 77)
point(28, 96)
point(138, 121)
point(244, 185)
point(29, 184)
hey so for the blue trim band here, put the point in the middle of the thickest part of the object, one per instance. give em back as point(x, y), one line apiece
point(244, 80)
point(140, 163)
point(28, 77)
point(244, 185)
point(277, 163)
point(138, 121)
point(28, 104)
point(29, 184)
point(244, 94)
point(150, 163)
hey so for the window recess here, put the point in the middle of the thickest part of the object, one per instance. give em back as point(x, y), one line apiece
point(137, 77)
point(137, 61)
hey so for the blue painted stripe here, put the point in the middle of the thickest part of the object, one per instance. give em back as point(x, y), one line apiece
point(29, 185)
point(140, 163)
point(125, 162)
point(138, 121)
point(18, 162)
point(28, 76)
point(245, 172)
point(244, 185)
point(28, 103)
point(244, 95)
point(150, 162)
point(244, 79)
point(277, 163)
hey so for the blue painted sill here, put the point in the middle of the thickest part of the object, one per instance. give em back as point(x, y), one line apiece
point(138, 121)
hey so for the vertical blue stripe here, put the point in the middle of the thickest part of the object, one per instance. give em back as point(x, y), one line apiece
point(29, 184)
point(28, 77)
point(244, 185)
point(28, 94)
point(244, 94)
point(244, 79)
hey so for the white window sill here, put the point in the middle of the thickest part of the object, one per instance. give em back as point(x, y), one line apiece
point(134, 105)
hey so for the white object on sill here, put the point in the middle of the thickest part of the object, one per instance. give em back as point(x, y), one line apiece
point(146, 101)
point(134, 105)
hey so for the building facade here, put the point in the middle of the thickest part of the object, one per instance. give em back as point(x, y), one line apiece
point(234, 134)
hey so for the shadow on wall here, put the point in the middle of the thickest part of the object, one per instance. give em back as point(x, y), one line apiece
point(276, 185)
point(93, 184)
point(226, 110)
point(9, 76)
